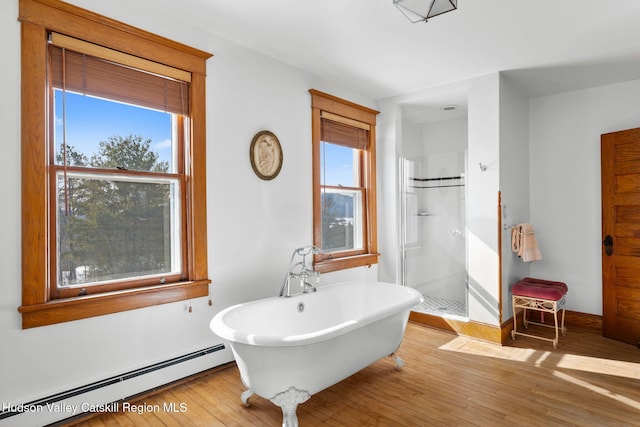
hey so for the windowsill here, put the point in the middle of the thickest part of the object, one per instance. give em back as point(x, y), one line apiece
point(335, 264)
point(64, 310)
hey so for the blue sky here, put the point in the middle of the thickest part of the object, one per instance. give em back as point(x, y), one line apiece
point(339, 162)
point(91, 120)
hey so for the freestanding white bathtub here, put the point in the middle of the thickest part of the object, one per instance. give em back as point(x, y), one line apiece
point(290, 348)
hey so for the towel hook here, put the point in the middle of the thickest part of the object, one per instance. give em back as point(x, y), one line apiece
point(482, 167)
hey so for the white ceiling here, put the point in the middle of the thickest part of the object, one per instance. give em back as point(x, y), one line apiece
point(370, 46)
point(546, 46)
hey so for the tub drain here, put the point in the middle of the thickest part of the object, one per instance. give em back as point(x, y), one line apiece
point(300, 307)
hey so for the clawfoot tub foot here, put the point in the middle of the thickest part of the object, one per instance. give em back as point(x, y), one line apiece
point(399, 361)
point(245, 396)
point(289, 401)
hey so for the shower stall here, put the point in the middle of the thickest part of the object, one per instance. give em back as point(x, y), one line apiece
point(433, 228)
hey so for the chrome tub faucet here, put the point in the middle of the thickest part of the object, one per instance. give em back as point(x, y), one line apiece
point(304, 273)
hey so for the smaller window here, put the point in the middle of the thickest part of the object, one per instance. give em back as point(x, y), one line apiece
point(344, 183)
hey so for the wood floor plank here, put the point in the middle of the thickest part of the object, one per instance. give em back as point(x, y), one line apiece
point(447, 381)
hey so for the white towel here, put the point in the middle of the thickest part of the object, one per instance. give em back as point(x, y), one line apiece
point(523, 242)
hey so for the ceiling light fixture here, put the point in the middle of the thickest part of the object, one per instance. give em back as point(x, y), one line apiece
point(423, 10)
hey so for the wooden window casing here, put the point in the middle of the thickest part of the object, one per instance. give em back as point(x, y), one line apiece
point(38, 18)
point(353, 126)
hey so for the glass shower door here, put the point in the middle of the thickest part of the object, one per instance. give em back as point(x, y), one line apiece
point(433, 231)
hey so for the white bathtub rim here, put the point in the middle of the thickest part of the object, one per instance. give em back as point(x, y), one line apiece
point(220, 328)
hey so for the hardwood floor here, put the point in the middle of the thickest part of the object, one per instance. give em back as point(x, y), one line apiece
point(447, 381)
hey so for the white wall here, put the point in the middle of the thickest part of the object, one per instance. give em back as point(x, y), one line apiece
point(565, 134)
point(253, 225)
point(482, 190)
point(514, 183)
point(388, 135)
point(446, 136)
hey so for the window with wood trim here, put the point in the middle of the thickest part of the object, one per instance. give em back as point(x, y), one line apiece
point(113, 173)
point(344, 183)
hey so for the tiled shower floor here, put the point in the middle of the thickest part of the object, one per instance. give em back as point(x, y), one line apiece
point(442, 306)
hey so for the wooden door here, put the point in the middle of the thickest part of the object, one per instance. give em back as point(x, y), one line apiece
point(621, 235)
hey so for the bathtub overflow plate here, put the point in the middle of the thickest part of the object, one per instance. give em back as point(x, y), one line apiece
point(300, 307)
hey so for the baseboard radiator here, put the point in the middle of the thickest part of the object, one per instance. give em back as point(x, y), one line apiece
point(12, 410)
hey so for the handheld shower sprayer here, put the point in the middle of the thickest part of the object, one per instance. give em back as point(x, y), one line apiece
point(304, 273)
point(307, 250)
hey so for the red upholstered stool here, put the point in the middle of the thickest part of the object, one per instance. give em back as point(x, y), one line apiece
point(540, 295)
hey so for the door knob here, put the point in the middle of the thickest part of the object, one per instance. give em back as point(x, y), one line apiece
point(608, 245)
